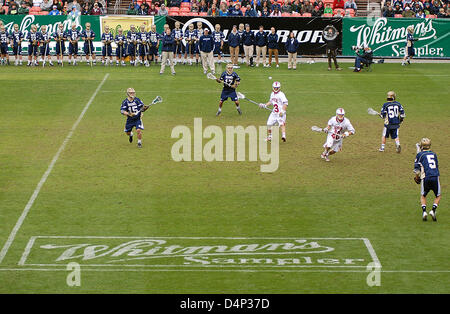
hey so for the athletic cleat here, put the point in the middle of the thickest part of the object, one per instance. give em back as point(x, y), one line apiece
point(381, 149)
point(130, 139)
point(139, 145)
point(399, 149)
point(408, 62)
point(424, 216)
point(324, 156)
point(239, 110)
point(433, 215)
point(284, 139)
point(218, 113)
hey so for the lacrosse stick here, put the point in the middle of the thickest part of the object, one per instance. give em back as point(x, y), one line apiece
point(61, 52)
point(213, 77)
point(242, 96)
point(317, 129)
point(157, 99)
point(90, 52)
point(135, 53)
point(373, 112)
point(45, 53)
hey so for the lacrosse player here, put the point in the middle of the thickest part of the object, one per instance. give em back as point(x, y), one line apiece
point(393, 114)
point(33, 45)
point(154, 43)
point(189, 36)
point(74, 36)
point(44, 39)
point(198, 33)
point(132, 42)
point(426, 173)
point(88, 36)
point(409, 51)
point(4, 40)
point(121, 49)
point(107, 39)
point(218, 42)
point(279, 103)
point(59, 35)
point(16, 38)
point(230, 81)
point(177, 33)
point(337, 129)
point(143, 46)
point(132, 107)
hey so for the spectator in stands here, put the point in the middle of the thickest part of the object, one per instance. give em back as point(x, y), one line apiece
point(59, 4)
point(96, 10)
point(132, 10)
point(316, 12)
point(250, 12)
point(194, 8)
point(385, 7)
point(174, 3)
point(86, 10)
point(398, 9)
point(265, 12)
point(235, 11)
point(64, 9)
point(2, 9)
point(223, 9)
point(328, 9)
point(213, 10)
point(276, 12)
point(23, 10)
point(427, 7)
point(74, 13)
point(46, 5)
point(407, 2)
point(203, 7)
point(440, 15)
point(74, 4)
point(321, 6)
point(338, 4)
point(351, 4)
point(163, 11)
point(307, 7)
point(389, 12)
point(55, 11)
point(265, 3)
point(286, 7)
point(13, 10)
point(436, 7)
point(420, 14)
point(157, 3)
point(144, 8)
point(417, 7)
point(152, 11)
point(408, 12)
point(297, 6)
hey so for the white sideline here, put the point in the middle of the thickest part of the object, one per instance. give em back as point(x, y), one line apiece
point(46, 174)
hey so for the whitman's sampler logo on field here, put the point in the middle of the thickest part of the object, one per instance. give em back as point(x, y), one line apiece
point(186, 252)
point(387, 37)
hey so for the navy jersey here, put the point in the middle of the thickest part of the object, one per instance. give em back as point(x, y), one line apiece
point(131, 37)
point(120, 38)
point(428, 162)
point(32, 36)
point(410, 40)
point(188, 35)
point(198, 32)
point(73, 34)
point(230, 79)
point(153, 37)
point(133, 106)
point(107, 37)
point(177, 34)
point(4, 37)
point(59, 34)
point(44, 36)
point(16, 37)
point(143, 37)
point(88, 34)
point(393, 113)
point(218, 37)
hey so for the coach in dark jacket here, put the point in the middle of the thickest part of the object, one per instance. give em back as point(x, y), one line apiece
point(364, 58)
point(206, 44)
point(272, 44)
point(233, 43)
point(261, 45)
point(248, 40)
point(292, 47)
point(168, 46)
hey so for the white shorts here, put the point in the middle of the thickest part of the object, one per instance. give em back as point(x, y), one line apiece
point(274, 119)
point(333, 144)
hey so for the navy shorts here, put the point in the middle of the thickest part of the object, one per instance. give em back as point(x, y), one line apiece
point(135, 123)
point(4, 49)
point(143, 49)
point(179, 48)
point(153, 50)
point(32, 50)
point(131, 50)
point(88, 50)
point(227, 93)
point(45, 50)
point(411, 52)
point(73, 49)
point(430, 184)
point(60, 47)
point(390, 132)
point(17, 49)
point(121, 51)
point(107, 51)
point(217, 50)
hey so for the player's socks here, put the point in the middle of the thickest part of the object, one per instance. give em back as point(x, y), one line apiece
point(239, 110)
point(283, 136)
point(130, 139)
point(382, 148)
point(139, 143)
point(219, 111)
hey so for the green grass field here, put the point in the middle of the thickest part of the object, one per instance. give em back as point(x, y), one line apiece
point(112, 207)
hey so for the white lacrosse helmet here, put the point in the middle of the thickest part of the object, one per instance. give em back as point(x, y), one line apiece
point(340, 112)
point(276, 87)
point(131, 93)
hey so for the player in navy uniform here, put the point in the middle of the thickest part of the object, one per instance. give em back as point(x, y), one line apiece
point(74, 36)
point(88, 36)
point(393, 114)
point(198, 33)
point(33, 45)
point(44, 39)
point(16, 38)
point(189, 37)
point(409, 49)
point(230, 81)
point(4, 40)
point(177, 34)
point(132, 108)
point(154, 43)
point(121, 49)
point(143, 46)
point(107, 39)
point(426, 172)
point(59, 37)
point(218, 42)
point(132, 37)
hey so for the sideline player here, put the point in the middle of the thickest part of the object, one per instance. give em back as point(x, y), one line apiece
point(337, 129)
point(143, 45)
point(218, 42)
point(74, 36)
point(16, 38)
point(154, 38)
point(279, 103)
point(60, 35)
point(132, 108)
point(107, 39)
point(45, 38)
point(4, 41)
point(33, 39)
point(177, 33)
point(132, 42)
point(230, 81)
point(409, 51)
point(88, 36)
point(121, 42)
point(189, 36)
point(393, 114)
point(426, 172)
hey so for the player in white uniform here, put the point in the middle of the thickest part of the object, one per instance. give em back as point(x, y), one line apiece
point(279, 103)
point(337, 129)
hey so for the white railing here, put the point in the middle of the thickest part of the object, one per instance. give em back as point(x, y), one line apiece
point(117, 6)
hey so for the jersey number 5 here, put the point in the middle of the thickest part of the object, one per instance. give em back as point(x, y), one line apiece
point(431, 161)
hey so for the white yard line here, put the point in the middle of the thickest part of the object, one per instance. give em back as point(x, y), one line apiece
point(35, 194)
